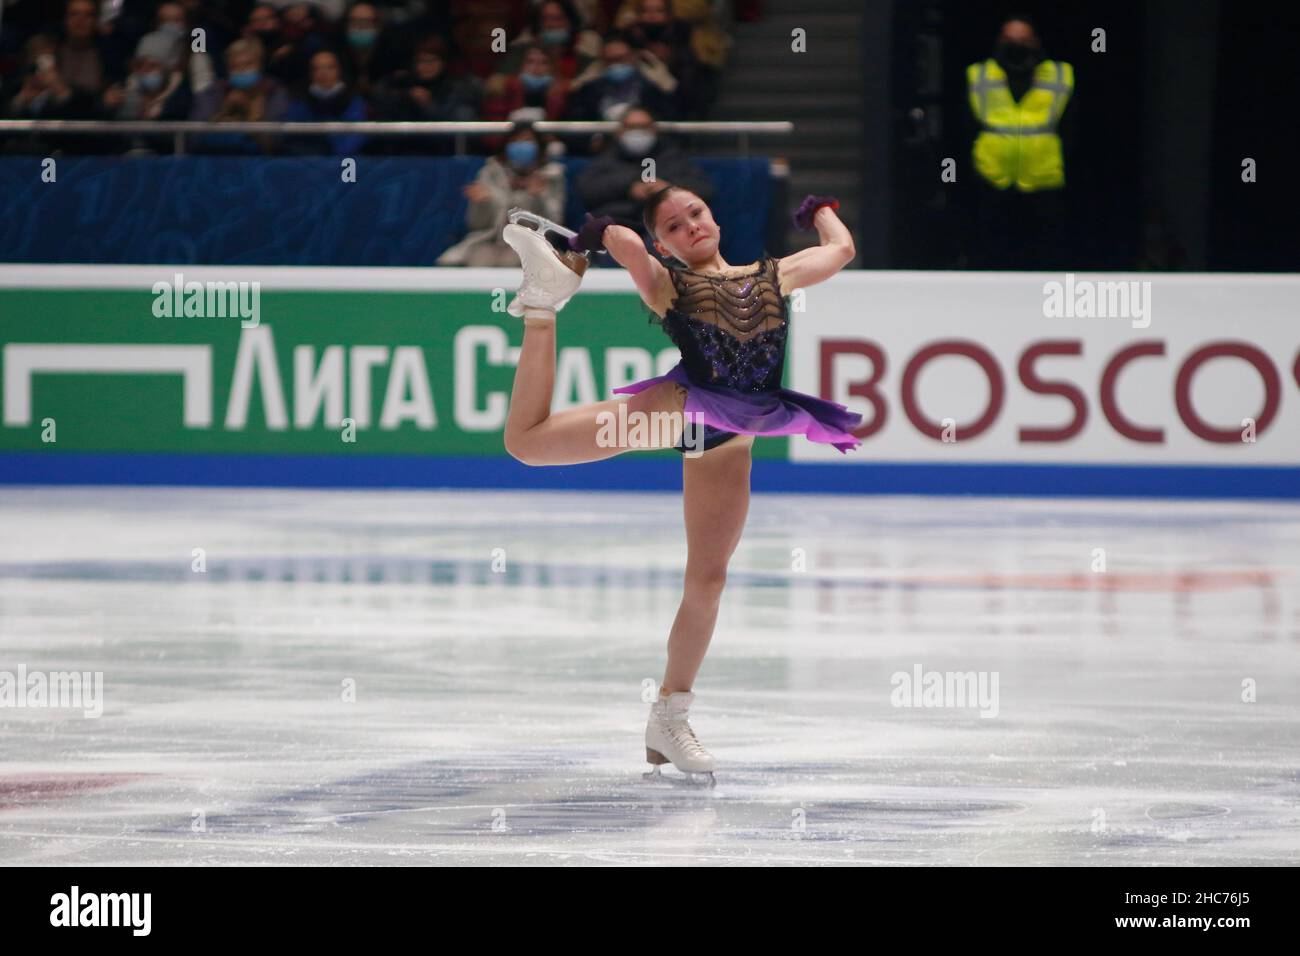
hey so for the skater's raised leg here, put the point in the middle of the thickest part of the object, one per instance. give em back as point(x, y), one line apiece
point(535, 436)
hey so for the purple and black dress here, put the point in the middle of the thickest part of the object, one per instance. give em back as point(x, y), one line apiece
point(731, 331)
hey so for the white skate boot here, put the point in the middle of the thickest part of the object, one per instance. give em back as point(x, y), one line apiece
point(550, 277)
point(669, 738)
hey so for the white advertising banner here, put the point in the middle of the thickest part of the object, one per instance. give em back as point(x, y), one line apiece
point(1024, 368)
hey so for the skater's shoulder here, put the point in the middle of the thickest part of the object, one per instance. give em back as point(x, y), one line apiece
point(655, 285)
point(663, 294)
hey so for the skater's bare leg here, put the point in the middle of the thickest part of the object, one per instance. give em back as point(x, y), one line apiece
point(652, 418)
point(716, 501)
point(536, 437)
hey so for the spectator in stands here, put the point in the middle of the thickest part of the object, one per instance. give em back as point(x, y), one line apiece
point(86, 60)
point(709, 47)
point(173, 20)
point(591, 14)
point(331, 10)
point(558, 28)
point(222, 23)
point(42, 92)
point(292, 38)
point(618, 181)
point(264, 24)
point(373, 51)
point(155, 89)
point(534, 92)
point(426, 91)
point(119, 25)
point(519, 175)
point(328, 98)
point(622, 78)
point(433, 15)
point(246, 94)
point(669, 38)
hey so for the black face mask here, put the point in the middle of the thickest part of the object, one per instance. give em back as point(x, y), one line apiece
point(270, 38)
point(1017, 57)
point(653, 31)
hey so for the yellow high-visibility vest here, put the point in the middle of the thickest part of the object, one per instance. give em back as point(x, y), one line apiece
point(1018, 144)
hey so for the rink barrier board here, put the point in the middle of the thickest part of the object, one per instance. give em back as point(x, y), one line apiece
point(635, 472)
point(427, 308)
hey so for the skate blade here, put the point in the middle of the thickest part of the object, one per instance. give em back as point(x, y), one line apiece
point(523, 217)
point(689, 779)
point(575, 262)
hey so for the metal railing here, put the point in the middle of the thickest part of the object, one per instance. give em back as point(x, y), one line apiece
point(179, 129)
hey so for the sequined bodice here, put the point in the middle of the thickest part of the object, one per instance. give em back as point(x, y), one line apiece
point(731, 330)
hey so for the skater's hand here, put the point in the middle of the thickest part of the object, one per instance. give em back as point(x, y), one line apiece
point(589, 233)
point(807, 211)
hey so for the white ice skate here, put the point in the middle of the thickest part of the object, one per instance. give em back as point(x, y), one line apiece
point(669, 738)
point(551, 277)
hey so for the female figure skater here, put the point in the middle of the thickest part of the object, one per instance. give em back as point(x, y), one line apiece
point(730, 324)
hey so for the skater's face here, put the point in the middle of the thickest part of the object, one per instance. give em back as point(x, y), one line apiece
point(685, 228)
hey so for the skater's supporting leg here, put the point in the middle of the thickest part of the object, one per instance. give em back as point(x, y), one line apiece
point(537, 437)
point(716, 500)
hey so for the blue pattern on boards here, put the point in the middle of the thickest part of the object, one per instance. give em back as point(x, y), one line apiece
point(237, 210)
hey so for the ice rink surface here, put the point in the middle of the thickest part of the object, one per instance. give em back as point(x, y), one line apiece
point(457, 677)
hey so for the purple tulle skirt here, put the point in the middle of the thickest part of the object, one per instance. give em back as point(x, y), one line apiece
point(783, 412)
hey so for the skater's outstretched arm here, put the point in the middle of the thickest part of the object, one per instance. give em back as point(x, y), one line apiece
point(817, 263)
point(651, 278)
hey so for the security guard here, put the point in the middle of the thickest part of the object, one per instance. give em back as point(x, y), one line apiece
point(1018, 98)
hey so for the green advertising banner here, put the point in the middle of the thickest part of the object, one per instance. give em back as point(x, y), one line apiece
point(158, 360)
